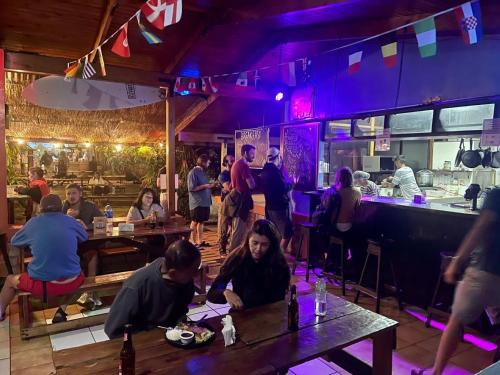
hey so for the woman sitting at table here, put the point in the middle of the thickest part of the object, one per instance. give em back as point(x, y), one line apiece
point(258, 270)
point(146, 209)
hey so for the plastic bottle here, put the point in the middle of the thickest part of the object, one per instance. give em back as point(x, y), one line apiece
point(108, 211)
point(320, 299)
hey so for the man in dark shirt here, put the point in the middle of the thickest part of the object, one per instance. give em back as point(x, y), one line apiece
point(223, 222)
point(158, 294)
point(479, 287)
point(84, 212)
point(276, 191)
point(239, 202)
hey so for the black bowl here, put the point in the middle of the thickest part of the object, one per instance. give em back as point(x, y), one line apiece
point(193, 344)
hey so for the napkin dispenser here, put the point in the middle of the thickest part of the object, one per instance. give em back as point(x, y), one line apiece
point(100, 225)
point(124, 227)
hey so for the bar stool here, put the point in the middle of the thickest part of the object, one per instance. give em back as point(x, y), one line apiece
point(446, 259)
point(306, 230)
point(337, 241)
point(380, 252)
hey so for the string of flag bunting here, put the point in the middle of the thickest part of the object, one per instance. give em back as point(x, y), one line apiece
point(163, 13)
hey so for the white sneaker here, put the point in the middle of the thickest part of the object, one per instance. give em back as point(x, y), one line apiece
point(84, 299)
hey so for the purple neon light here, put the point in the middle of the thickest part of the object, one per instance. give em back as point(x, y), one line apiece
point(474, 340)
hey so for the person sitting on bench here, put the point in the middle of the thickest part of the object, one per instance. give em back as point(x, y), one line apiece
point(158, 294)
point(55, 268)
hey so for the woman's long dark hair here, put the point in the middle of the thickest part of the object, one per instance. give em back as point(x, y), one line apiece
point(274, 258)
point(138, 201)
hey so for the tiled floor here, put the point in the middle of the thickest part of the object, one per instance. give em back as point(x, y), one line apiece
point(417, 345)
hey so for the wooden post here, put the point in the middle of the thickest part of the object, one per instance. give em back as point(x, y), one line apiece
point(170, 150)
point(3, 159)
point(223, 151)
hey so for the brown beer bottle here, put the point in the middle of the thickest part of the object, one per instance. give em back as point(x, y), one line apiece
point(293, 310)
point(127, 354)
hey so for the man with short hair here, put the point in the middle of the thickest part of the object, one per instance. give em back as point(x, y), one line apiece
point(84, 212)
point(158, 294)
point(224, 223)
point(200, 199)
point(53, 239)
point(404, 178)
point(238, 203)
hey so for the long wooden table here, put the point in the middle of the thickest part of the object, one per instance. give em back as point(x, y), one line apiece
point(264, 344)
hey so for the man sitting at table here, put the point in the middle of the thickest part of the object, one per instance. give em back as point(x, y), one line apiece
point(258, 270)
point(84, 212)
point(158, 294)
point(53, 239)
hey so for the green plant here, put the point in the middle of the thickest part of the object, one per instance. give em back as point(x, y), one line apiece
point(12, 154)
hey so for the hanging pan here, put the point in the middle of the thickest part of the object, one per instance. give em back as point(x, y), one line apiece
point(471, 158)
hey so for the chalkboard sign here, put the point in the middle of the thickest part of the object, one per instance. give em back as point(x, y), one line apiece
point(259, 138)
point(299, 145)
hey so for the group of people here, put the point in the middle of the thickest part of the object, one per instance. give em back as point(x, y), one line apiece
point(53, 237)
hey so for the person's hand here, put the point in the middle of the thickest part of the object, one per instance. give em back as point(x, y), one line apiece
point(73, 213)
point(451, 274)
point(209, 186)
point(233, 299)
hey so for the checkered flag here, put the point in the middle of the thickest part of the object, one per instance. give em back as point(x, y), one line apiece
point(88, 69)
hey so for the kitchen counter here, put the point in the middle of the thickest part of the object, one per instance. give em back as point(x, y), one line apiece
point(431, 207)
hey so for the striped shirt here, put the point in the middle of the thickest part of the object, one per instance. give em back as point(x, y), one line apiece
point(405, 178)
point(371, 189)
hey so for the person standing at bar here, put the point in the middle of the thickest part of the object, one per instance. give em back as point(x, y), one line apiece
point(404, 178)
point(276, 191)
point(223, 223)
point(238, 203)
point(479, 287)
point(200, 199)
point(367, 187)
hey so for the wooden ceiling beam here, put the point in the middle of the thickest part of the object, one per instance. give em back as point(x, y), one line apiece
point(193, 112)
point(111, 5)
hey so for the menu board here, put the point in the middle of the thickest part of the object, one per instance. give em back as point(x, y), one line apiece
point(300, 153)
point(465, 118)
point(491, 133)
point(411, 122)
point(259, 138)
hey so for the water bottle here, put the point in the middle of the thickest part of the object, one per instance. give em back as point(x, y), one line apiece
point(108, 211)
point(320, 300)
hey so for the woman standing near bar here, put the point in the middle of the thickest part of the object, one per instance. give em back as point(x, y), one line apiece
point(258, 270)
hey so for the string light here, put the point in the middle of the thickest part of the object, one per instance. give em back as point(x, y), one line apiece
point(87, 144)
point(20, 141)
point(118, 148)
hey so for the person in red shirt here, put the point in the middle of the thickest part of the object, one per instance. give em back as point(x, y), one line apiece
point(239, 203)
point(37, 189)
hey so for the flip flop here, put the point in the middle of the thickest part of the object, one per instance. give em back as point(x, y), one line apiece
point(59, 316)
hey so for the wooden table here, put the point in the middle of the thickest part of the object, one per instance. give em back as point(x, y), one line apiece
point(12, 197)
point(264, 345)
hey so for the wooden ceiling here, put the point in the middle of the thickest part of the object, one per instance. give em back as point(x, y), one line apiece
point(213, 37)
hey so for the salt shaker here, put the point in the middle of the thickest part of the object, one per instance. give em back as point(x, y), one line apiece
point(228, 331)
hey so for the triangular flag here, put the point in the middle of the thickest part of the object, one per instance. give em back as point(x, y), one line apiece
point(242, 79)
point(426, 37)
point(101, 61)
point(469, 19)
point(389, 48)
point(72, 70)
point(207, 87)
point(88, 69)
point(355, 62)
point(288, 73)
point(162, 13)
point(121, 47)
point(149, 36)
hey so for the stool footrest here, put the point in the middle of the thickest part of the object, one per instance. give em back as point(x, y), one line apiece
point(364, 290)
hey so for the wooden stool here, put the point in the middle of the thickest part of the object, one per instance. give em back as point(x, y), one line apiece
point(306, 234)
point(376, 249)
point(446, 259)
point(337, 241)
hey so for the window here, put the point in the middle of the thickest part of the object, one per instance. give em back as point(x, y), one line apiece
point(369, 126)
point(465, 118)
point(338, 129)
point(411, 122)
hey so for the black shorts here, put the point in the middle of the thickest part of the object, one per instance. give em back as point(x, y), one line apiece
point(200, 214)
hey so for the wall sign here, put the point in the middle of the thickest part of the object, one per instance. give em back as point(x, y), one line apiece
point(302, 103)
point(491, 132)
point(259, 138)
point(383, 140)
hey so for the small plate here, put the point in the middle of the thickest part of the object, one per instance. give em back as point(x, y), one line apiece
point(193, 344)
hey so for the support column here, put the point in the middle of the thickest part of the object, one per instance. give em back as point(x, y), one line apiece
point(3, 160)
point(170, 150)
point(223, 151)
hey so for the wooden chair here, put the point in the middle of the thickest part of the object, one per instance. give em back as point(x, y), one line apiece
point(340, 243)
point(306, 235)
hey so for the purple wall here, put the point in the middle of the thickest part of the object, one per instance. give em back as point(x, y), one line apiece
point(458, 71)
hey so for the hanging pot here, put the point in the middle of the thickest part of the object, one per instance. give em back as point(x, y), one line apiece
point(495, 159)
point(487, 158)
point(471, 158)
point(461, 150)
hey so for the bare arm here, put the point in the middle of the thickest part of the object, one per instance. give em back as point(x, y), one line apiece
point(250, 182)
point(201, 187)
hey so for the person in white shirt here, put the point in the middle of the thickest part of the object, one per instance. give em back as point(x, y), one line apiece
point(404, 178)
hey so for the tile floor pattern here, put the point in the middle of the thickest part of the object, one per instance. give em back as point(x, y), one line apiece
point(417, 345)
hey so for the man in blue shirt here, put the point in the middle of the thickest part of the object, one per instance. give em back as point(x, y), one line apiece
point(479, 287)
point(53, 238)
point(200, 199)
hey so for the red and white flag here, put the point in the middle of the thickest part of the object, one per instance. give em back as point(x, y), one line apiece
point(207, 86)
point(162, 13)
point(121, 47)
point(355, 62)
